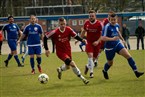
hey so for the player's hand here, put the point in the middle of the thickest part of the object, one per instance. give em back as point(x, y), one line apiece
point(95, 43)
point(116, 38)
point(85, 41)
point(124, 43)
point(18, 42)
point(42, 45)
point(47, 52)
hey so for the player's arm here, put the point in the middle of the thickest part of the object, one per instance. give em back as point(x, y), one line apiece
point(20, 33)
point(78, 38)
point(47, 52)
point(45, 37)
point(83, 32)
point(120, 36)
point(21, 37)
point(3, 30)
point(97, 42)
point(3, 35)
point(105, 38)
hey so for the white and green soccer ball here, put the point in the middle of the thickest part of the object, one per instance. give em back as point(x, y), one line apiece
point(43, 78)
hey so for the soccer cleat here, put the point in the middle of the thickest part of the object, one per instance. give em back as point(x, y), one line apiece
point(23, 59)
point(59, 72)
point(138, 74)
point(86, 81)
point(6, 63)
point(39, 68)
point(33, 71)
point(91, 75)
point(20, 65)
point(86, 70)
point(105, 74)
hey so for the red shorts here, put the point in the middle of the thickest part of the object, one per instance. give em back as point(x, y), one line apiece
point(90, 48)
point(64, 55)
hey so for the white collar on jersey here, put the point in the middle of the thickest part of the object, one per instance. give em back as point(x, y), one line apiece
point(61, 30)
point(93, 22)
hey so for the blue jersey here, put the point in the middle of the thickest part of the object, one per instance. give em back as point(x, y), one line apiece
point(12, 30)
point(111, 31)
point(33, 32)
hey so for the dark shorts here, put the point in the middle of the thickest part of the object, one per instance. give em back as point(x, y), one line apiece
point(110, 53)
point(34, 50)
point(12, 44)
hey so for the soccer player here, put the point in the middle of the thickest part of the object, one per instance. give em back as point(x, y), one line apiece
point(105, 22)
point(61, 37)
point(26, 53)
point(111, 36)
point(12, 30)
point(34, 32)
point(93, 28)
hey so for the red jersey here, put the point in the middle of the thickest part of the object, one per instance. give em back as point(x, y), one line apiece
point(61, 40)
point(1, 36)
point(105, 21)
point(94, 30)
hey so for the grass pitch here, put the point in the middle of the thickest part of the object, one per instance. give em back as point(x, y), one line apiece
point(19, 82)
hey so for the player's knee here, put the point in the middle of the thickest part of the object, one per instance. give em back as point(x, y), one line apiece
point(110, 63)
point(68, 66)
point(67, 61)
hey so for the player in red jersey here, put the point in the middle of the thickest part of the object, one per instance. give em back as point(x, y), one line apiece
point(61, 37)
point(93, 28)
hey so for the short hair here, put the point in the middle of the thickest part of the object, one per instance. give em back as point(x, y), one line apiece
point(92, 11)
point(10, 17)
point(61, 19)
point(32, 15)
point(111, 12)
point(113, 15)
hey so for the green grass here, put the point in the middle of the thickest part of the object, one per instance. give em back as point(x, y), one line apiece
point(18, 82)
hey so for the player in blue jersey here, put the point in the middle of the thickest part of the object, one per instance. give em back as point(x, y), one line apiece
point(34, 32)
point(111, 36)
point(12, 30)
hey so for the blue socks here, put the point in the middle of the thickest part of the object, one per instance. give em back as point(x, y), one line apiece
point(106, 67)
point(17, 59)
point(32, 63)
point(9, 57)
point(132, 64)
point(130, 61)
point(39, 60)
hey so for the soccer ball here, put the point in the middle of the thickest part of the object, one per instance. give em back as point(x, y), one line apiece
point(43, 78)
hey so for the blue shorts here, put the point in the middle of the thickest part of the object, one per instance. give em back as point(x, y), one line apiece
point(82, 44)
point(34, 50)
point(12, 44)
point(110, 53)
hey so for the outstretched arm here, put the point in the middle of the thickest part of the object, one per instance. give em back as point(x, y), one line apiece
point(83, 32)
point(105, 38)
point(47, 52)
